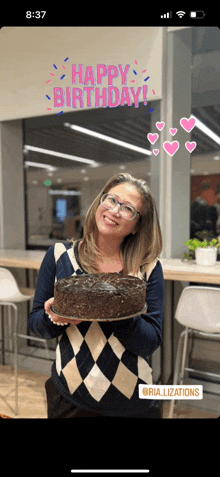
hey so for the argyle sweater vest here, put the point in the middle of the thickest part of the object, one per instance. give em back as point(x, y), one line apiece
point(93, 370)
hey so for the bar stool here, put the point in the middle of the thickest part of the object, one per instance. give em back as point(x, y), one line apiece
point(9, 296)
point(198, 309)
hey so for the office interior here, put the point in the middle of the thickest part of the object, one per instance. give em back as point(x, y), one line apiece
point(51, 167)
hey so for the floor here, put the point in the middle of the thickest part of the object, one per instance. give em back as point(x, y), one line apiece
point(32, 398)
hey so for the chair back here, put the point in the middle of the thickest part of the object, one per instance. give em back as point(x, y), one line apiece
point(199, 308)
point(8, 285)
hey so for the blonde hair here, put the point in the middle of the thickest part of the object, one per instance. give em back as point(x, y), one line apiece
point(138, 250)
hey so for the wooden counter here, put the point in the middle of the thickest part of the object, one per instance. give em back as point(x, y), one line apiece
point(175, 269)
point(21, 258)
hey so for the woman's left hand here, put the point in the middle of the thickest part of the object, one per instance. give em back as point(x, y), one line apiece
point(58, 319)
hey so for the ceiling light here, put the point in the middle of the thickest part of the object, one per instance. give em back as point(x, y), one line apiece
point(108, 139)
point(206, 130)
point(64, 156)
point(64, 192)
point(39, 164)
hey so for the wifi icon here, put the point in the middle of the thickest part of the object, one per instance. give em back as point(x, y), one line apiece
point(180, 14)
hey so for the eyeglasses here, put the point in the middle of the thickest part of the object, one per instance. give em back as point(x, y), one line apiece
point(126, 211)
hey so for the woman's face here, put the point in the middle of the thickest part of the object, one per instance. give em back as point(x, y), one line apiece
point(119, 227)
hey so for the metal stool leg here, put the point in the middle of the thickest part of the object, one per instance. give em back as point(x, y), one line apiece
point(184, 357)
point(33, 338)
point(2, 333)
point(15, 336)
point(16, 358)
point(48, 352)
point(177, 367)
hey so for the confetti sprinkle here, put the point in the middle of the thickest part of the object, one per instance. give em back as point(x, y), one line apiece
point(147, 78)
point(135, 72)
point(136, 62)
point(144, 71)
point(132, 81)
point(153, 91)
point(151, 110)
point(47, 183)
point(49, 81)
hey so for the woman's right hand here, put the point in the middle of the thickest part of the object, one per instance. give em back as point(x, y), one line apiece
point(56, 318)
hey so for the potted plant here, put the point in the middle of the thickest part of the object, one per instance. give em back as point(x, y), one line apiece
point(205, 252)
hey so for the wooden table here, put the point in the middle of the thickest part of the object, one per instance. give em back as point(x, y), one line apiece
point(176, 269)
point(27, 259)
point(173, 268)
point(21, 258)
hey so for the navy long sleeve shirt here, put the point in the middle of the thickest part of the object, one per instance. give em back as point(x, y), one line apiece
point(99, 365)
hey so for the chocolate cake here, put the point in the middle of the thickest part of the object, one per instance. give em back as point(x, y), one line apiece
point(100, 296)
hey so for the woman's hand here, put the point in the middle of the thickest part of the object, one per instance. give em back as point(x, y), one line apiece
point(58, 319)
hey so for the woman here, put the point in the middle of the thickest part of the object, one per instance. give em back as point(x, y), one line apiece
point(99, 365)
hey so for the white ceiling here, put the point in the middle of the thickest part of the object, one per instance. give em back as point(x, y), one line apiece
point(132, 125)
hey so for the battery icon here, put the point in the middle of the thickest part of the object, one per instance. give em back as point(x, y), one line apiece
point(197, 14)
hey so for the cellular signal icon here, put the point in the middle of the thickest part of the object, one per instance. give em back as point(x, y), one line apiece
point(166, 15)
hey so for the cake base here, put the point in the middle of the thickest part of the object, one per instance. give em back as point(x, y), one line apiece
point(103, 319)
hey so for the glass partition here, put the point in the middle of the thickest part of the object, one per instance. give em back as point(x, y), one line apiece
point(65, 169)
point(205, 159)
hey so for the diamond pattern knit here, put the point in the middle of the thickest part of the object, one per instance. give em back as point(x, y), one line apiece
point(94, 368)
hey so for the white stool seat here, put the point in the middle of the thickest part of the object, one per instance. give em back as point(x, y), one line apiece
point(198, 310)
point(17, 298)
point(10, 296)
point(9, 290)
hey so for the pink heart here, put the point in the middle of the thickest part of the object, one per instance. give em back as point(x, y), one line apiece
point(187, 124)
point(155, 151)
point(160, 126)
point(152, 137)
point(173, 131)
point(171, 147)
point(190, 146)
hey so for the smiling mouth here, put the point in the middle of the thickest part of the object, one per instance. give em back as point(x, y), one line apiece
point(109, 221)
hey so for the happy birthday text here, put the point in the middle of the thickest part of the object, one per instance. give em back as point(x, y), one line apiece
point(111, 96)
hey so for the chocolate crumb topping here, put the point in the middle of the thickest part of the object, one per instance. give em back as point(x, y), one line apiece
point(99, 296)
